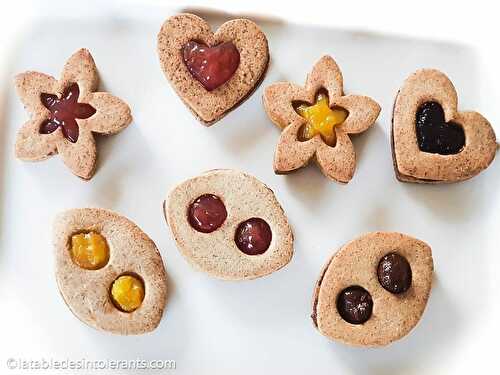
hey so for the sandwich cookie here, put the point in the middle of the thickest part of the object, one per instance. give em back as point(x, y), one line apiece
point(212, 73)
point(432, 142)
point(229, 225)
point(109, 272)
point(374, 290)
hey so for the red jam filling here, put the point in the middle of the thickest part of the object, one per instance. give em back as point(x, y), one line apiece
point(211, 66)
point(207, 213)
point(64, 111)
point(253, 236)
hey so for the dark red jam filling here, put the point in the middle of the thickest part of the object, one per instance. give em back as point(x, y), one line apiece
point(436, 136)
point(394, 273)
point(355, 305)
point(211, 66)
point(64, 111)
point(253, 236)
point(207, 213)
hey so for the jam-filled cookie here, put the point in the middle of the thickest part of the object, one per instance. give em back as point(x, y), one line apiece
point(212, 72)
point(374, 290)
point(109, 272)
point(64, 115)
point(229, 225)
point(316, 121)
point(431, 141)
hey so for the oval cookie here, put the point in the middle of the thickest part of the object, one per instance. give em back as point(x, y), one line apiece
point(350, 304)
point(229, 225)
point(95, 287)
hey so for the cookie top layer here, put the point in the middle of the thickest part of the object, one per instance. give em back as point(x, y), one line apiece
point(251, 43)
point(131, 251)
point(337, 162)
point(219, 253)
point(413, 165)
point(111, 115)
point(355, 264)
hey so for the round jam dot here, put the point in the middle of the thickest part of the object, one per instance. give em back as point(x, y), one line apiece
point(207, 213)
point(89, 250)
point(253, 236)
point(394, 273)
point(355, 305)
point(127, 292)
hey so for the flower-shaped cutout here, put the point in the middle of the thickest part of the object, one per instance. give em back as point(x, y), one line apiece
point(335, 156)
point(65, 113)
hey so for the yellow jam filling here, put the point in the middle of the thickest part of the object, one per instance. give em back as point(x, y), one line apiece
point(89, 250)
point(321, 119)
point(127, 292)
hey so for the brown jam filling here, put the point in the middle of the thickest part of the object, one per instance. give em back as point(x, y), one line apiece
point(394, 273)
point(355, 304)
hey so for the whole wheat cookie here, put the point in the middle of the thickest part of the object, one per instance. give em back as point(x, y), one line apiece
point(374, 290)
point(64, 115)
point(431, 141)
point(229, 225)
point(212, 72)
point(109, 272)
point(316, 121)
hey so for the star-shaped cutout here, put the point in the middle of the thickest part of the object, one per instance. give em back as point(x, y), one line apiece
point(321, 119)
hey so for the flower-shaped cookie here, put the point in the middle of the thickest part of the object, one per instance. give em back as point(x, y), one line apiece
point(285, 104)
point(65, 113)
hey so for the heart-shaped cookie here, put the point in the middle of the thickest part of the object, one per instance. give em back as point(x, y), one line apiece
point(431, 141)
point(212, 72)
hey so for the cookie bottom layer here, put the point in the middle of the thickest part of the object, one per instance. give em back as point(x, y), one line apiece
point(406, 178)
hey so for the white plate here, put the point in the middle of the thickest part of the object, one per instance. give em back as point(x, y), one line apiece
point(259, 326)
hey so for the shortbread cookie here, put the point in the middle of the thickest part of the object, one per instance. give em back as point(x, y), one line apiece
point(109, 271)
point(374, 290)
point(212, 72)
point(229, 225)
point(64, 115)
point(431, 141)
point(316, 121)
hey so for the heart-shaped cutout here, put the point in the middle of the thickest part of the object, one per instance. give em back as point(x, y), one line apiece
point(434, 134)
point(212, 66)
point(212, 72)
point(431, 141)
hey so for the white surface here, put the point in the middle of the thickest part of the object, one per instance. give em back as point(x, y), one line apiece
point(260, 326)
